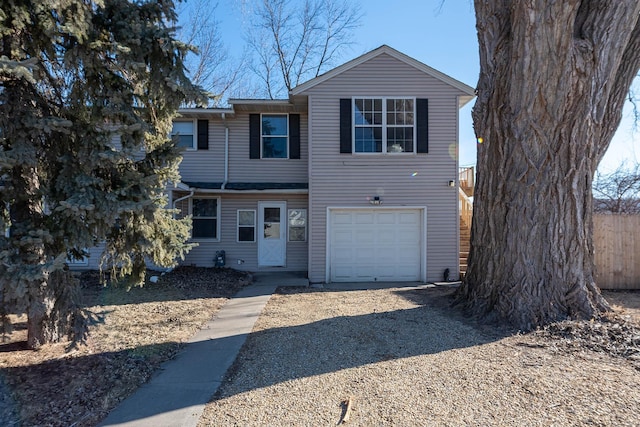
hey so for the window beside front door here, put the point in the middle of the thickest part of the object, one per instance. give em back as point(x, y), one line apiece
point(274, 136)
point(246, 225)
point(297, 223)
point(383, 125)
point(205, 213)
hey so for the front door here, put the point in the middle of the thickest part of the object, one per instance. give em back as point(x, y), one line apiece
point(272, 234)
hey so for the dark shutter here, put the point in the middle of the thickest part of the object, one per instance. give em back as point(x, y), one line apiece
point(203, 134)
point(422, 122)
point(294, 136)
point(254, 136)
point(345, 126)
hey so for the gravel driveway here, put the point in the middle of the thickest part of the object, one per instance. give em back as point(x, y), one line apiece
point(404, 358)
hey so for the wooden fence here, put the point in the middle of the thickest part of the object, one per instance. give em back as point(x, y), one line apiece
point(616, 241)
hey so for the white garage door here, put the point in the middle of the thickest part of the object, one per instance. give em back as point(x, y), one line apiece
point(375, 245)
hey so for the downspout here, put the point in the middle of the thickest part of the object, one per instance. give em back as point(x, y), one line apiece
point(175, 202)
point(226, 152)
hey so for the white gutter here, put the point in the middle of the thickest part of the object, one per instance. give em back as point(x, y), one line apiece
point(270, 191)
point(226, 152)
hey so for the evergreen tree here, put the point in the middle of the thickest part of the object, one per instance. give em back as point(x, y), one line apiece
point(88, 90)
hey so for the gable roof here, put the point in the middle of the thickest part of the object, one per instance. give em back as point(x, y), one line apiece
point(384, 49)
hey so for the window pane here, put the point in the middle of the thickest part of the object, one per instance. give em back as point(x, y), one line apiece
point(271, 214)
point(297, 225)
point(297, 234)
point(359, 112)
point(391, 119)
point(274, 125)
point(297, 217)
point(205, 207)
point(185, 141)
point(368, 104)
point(246, 218)
point(184, 128)
point(272, 230)
point(368, 140)
point(246, 234)
point(204, 228)
point(408, 104)
point(400, 139)
point(390, 105)
point(274, 147)
point(409, 118)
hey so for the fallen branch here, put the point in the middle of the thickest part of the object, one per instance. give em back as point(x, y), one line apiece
point(347, 410)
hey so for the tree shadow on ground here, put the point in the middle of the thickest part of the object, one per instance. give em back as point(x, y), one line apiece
point(344, 342)
point(320, 347)
point(80, 390)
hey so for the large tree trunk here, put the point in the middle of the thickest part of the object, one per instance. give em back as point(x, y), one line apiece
point(554, 75)
point(43, 320)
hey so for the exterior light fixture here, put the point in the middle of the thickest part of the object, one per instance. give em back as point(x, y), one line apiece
point(452, 183)
point(375, 200)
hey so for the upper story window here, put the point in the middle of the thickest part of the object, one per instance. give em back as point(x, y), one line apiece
point(186, 132)
point(383, 125)
point(274, 136)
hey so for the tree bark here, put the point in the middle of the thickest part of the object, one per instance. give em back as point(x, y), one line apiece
point(553, 79)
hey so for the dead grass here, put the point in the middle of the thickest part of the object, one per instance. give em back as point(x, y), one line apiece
point(141, 328)
point(403, 357)
point(137, 330)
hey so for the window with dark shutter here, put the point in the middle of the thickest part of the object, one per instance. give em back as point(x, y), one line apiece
point(254, 136)
point(345, 126)
point(203, 134)
point(294, 136)
point(422, 125)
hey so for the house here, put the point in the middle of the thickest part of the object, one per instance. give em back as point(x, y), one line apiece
point(353, 178)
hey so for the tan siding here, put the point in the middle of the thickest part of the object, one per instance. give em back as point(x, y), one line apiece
point(248, 252)
point(412, 180)
point(244, 169)
point(208, 165)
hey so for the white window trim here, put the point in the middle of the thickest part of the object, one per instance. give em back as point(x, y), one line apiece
point(194, 146)
point(384, 126)
point(255, 226)
point(277, 136)
point(306, 225)
point(218, 210)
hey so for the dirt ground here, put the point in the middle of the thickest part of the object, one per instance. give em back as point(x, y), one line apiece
point(139, 329)
point(403, 357)
point(136, 330)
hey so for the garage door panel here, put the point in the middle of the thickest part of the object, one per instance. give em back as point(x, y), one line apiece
point(342, 218)
point(343, 237)
point(410, 218)
point(363, 237)
point(379, 244)
point(407, 237)
point(386, 218)
point(364, 218)
point(386, 236)
point(365, 256)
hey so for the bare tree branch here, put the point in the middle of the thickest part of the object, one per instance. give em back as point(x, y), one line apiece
point(618, 191)
point(211, 67)
point(300, 39)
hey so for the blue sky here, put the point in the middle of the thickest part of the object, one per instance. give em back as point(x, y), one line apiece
point(439, 34)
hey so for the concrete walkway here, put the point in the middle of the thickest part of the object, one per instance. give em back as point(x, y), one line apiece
point(176, 396)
